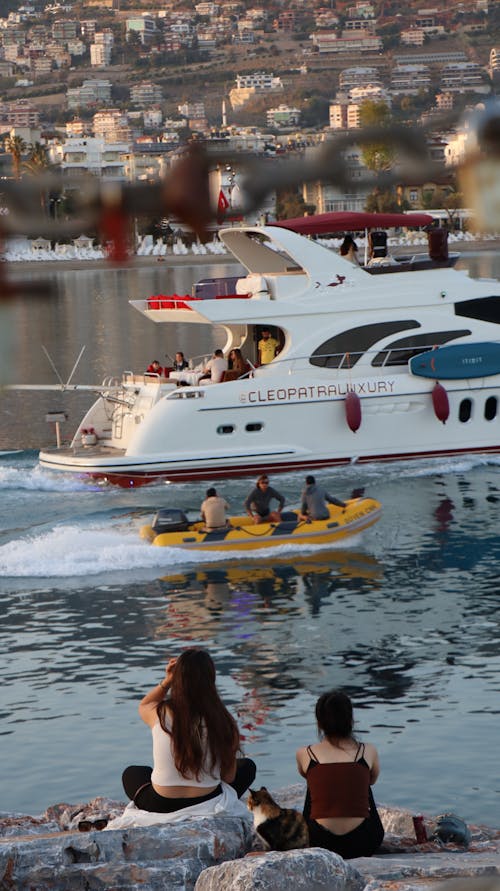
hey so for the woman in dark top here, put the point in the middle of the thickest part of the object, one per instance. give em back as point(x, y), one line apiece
point(339, 770)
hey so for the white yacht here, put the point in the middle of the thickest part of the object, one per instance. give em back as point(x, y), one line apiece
point(370, 367)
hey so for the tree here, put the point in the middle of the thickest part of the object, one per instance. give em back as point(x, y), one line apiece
point(383, 202)
point(291, 204)
point(16, 147)
point(376, 155)
point(36, 164)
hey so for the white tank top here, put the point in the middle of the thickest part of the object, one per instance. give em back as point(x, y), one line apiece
point(165, 772)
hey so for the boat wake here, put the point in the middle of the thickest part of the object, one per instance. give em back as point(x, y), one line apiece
point(70, 551)
point(36, 479)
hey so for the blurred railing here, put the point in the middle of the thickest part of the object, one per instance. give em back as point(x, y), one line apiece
point(184, 193)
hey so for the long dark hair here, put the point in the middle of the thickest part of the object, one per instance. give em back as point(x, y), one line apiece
point(203, 732)
point(334, 715)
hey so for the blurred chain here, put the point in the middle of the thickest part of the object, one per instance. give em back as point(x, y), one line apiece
point(184, 193)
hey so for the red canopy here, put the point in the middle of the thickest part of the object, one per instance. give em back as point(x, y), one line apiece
point(347, 221)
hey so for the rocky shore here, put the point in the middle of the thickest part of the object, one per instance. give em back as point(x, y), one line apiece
point(222, 853)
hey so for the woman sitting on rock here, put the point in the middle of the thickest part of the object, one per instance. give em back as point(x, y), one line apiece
point(195, 740)
point(339, 770)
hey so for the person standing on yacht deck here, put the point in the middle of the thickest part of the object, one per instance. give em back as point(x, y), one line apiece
point(314, 501)
point(267, 346)
point(213, 511)
point(257, 503)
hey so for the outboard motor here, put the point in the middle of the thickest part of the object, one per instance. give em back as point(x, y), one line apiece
point(169, 520)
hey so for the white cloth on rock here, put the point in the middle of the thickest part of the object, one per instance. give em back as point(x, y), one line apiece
point(227, 803)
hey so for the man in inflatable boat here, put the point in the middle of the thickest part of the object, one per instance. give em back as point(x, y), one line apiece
point(314, 501)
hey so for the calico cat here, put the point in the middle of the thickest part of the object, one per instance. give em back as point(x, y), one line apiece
point(280, 828)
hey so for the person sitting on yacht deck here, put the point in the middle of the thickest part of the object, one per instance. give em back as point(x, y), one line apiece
point(215, 368)
point(314, 501)
point(349, 250)
point(181, 362)
point(154, 368)
point(257, 503)
point(237, 364)
point(213, 511)
point(267, 346)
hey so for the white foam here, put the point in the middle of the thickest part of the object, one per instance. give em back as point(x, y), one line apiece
point(70, 550)
point(37, 479)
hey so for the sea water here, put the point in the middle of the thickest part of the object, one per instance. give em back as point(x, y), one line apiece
point(404, 617)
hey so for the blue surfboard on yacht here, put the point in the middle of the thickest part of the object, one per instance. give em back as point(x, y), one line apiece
point(458, 361)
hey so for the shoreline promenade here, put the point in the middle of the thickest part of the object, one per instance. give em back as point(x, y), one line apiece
point(41, 263)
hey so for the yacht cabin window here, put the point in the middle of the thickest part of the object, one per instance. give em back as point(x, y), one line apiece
point(490, 408)
point(465, 410)
point(401, 351)
point(346, 348)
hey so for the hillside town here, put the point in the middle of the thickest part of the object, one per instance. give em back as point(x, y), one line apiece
point(117, 90)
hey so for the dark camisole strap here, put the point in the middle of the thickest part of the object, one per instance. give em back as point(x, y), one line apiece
point(312, 755)
point(361, 747)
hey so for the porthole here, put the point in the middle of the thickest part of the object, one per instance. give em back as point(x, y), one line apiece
point(465, 410)
point(253, 428)
point(490, 408)
point(225, 428)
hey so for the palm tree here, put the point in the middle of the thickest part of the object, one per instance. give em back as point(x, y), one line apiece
point(37, 160)
point(15, 146)
point(36, 164)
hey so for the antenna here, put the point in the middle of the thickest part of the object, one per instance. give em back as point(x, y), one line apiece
point(59, 378)
point(75, 365)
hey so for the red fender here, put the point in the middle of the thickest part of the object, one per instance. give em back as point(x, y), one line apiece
point(353, 411)
point(440, 403)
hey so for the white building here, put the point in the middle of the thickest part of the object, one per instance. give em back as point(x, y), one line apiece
point(328, 198)
point(408, 80)
point(260, 81)
point(358, 42)
point(79, 156)
point(369, 92)
point(458, 77)
point(283, 116)
point(357, 77)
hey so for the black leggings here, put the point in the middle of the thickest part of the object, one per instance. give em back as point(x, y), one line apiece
point(137, 784)
point(360, 842)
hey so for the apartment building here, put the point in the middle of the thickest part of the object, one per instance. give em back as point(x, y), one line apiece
point(146, 94)
point(458, 77)
point(357, 77)
point(144, 26)
point(111, 125)
point(283, 116)
point(359, 42)
point(408, 80)
point(91, 92)
point(77, 157)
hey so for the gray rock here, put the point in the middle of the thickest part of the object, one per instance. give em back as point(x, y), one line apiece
point(149, 858)
point(312, 869)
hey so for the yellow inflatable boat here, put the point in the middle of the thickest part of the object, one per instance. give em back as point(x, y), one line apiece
point(170, 528)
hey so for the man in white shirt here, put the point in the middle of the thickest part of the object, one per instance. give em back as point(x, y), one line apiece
point(215, 368)
point(213, 511)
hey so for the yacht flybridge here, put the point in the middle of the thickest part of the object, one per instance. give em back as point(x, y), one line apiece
point(369, 368)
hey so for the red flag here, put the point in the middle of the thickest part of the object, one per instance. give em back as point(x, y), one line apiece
point(222, 206)
point(222, 203)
